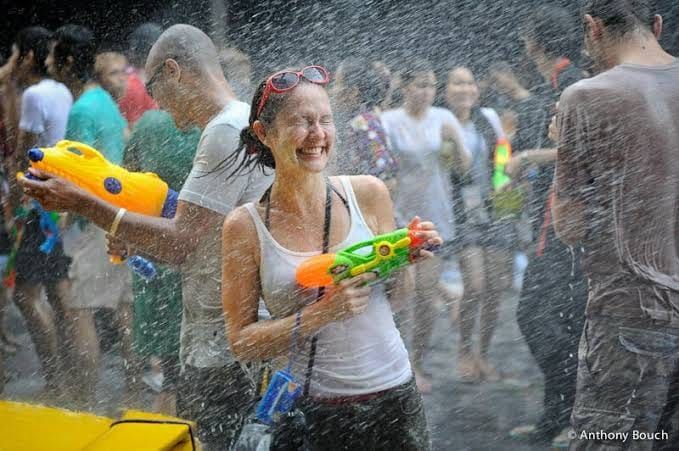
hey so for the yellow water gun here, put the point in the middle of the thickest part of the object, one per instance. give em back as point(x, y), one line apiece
point(138, 192)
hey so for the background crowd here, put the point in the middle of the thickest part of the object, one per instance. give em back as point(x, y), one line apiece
point(429, 128)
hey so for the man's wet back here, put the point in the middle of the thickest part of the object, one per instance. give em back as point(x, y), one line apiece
point(622, 129)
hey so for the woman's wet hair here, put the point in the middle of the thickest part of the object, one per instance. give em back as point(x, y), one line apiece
point(252, 153)
point(414, 67)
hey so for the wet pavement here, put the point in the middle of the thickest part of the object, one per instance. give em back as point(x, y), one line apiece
point(479, 416)
point(461, 416)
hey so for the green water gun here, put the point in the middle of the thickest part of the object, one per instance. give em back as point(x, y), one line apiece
point(506, 202)
point(383, 255)
point(503, 153)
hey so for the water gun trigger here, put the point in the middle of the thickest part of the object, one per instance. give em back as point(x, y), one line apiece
point(415, 240)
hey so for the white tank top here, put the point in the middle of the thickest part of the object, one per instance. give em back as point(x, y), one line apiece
point(360, 355)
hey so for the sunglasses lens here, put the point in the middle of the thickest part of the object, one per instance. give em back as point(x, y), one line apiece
point(314, 74)
point(284, 81)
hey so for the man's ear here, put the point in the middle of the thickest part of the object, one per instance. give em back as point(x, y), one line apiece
point(593, 27)
point(657, 26)
point(260, 132)
point(174, 72)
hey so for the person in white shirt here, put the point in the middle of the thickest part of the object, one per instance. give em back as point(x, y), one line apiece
point(186, 80)
point(417, 132)
point(486, 236)
point(45, 105)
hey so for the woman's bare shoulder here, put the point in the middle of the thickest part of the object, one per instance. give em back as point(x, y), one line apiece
point(239, 228)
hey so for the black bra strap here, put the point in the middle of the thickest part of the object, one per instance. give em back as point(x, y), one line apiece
point(266, 197)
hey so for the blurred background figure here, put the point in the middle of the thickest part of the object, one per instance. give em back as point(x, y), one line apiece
point(360, 88)
point(552, 303)
point(136, 100)
point(157, 146)
point(45, 106)
point(417, 131)
point(393, 82)
point(95, 284)
point(110, 70)
point(486, 238)
point(503, 91)
point(237, 69)
point(8, 342)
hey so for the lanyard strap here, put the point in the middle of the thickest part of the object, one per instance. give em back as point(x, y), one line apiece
point(321, 290)
point(267, 204)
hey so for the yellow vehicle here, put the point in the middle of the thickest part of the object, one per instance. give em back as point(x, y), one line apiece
point(29, 427)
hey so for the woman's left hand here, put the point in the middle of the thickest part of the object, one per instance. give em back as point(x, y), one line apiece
point(427, 231)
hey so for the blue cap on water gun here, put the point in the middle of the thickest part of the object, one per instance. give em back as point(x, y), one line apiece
point(113, 185)
point(170, 205)
point(143, 267)
point(35, 154)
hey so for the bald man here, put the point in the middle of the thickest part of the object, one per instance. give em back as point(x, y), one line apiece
point(186, 80)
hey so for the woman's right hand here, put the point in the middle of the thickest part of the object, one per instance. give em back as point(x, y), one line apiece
point(349, 298)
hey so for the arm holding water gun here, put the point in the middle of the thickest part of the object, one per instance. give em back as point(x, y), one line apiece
point(168, 240)
point(397, 273)
point(139, 192)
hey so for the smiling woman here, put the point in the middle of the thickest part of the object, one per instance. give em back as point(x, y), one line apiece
point(486, 237)
point(348, 351)
point(269, 96)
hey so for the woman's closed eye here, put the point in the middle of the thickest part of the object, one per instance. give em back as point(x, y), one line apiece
point(308, 123)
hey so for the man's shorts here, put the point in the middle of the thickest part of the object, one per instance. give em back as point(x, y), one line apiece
point(626, 368)
point(95, 281)
point(34, 266)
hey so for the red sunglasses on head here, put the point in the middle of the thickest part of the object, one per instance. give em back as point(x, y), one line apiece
point(285, 80)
